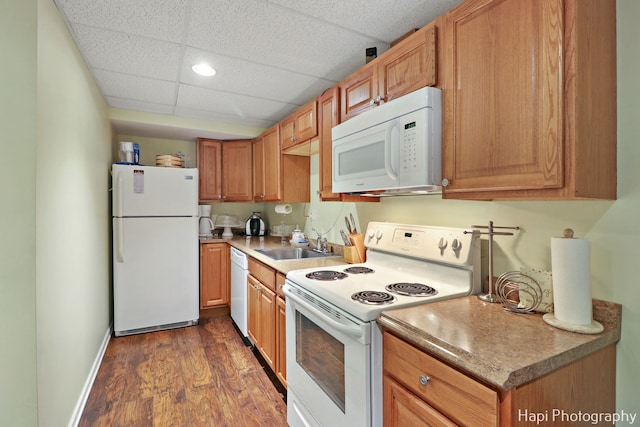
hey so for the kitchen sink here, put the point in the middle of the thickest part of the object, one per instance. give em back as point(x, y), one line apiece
point(283, 254)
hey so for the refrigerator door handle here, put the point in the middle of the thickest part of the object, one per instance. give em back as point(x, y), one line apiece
point(120, 243)
point(120, 192)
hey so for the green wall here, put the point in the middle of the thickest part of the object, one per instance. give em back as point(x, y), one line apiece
point(18, 115)
point(73, 289)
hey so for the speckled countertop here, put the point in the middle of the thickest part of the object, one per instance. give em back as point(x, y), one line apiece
point(249, 246)
point(500, 348)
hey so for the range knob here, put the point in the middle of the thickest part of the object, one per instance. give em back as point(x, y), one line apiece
point(378, 236)
point(456, 245)
point(442, 245)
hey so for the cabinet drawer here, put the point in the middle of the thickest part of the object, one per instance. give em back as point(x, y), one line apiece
point(265, 274)
point(459, 397)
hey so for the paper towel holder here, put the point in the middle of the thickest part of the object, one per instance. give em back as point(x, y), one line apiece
point(594, 327)
point(491, 296)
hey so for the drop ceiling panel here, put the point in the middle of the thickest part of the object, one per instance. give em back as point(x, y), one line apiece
point(231, 104)
point(136, 88)
point(158, 19)
point(379, 19)
point(133, 105)
point(252, 79)
point(130, 54)
point(263, 32)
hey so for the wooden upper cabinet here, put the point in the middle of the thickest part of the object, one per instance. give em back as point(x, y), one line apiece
point(300, 126)
point(407, 66)
point(237, 181)
point(327, 119)
point(267, 167)
point(358, 92)
point(224, 170)
point(514, 126)
point(209, 163)
point(278, 177)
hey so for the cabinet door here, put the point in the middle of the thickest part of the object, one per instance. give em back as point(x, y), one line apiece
point(272, 166)
point(306, 122)
point(281, 341)
point(503, 102)
point(300, 126)
point(327, 118)
point(403, 408)
point(253, 309)
point(258, 169)
point(358, 92)
point(214, 275)
point(237, 171)
point(209, 163)
point(409, 65)
point(288, 132)
point(267, 327)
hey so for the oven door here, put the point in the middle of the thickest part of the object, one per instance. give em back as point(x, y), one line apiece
point(328, 364)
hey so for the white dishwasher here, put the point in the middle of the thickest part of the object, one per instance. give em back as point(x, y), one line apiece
point(239, 272)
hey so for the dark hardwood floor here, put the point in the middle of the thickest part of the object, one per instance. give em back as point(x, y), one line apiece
point(198, 376)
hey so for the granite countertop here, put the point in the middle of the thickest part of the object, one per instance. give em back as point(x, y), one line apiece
point(500, 348)
point(249, 245)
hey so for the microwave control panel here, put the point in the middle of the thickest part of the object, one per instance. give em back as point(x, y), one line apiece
point(410, 156)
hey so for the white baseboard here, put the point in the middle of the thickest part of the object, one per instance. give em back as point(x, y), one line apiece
point(82, 401)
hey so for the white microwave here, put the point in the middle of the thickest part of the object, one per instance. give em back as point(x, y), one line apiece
point(395, 148)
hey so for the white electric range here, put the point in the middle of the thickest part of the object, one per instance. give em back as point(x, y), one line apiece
point(334, 346)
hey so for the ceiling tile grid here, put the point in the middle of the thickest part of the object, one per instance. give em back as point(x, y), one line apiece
point(271, 56)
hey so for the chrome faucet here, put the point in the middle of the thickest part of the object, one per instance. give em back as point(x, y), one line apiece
point(321, 243)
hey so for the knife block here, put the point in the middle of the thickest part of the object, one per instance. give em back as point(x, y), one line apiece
point(355, 254)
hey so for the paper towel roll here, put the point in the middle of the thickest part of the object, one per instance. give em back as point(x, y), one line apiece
point(571, 272)
point(283, 209)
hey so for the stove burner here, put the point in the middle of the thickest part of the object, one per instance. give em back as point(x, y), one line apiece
point(373, 297)
point(411, 289)
point(358, 270)
point(325, 275)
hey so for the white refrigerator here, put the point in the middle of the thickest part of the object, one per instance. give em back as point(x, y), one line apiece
point(155, 248)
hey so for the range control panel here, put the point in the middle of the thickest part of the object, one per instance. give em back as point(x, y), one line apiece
point(441, 244)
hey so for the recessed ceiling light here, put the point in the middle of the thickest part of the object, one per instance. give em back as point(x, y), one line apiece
point(204, 69)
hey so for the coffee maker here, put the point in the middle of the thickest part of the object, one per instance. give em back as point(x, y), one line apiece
point(255, 225)
point(206, 225)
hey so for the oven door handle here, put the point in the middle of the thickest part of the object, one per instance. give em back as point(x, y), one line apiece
point(352, 331)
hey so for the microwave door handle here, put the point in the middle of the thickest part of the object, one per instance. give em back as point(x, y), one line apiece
point(388, 146)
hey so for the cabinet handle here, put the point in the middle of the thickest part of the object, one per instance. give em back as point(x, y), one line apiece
point(445, 182)
point(256, 287)
point(424, 380)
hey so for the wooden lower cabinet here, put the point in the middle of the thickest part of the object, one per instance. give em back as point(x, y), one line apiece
point(281, 340)
point(281, 330)
point(261, 310)
point(420, 390)
point(214, 275)
point(403, 408)
point(261, 319)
